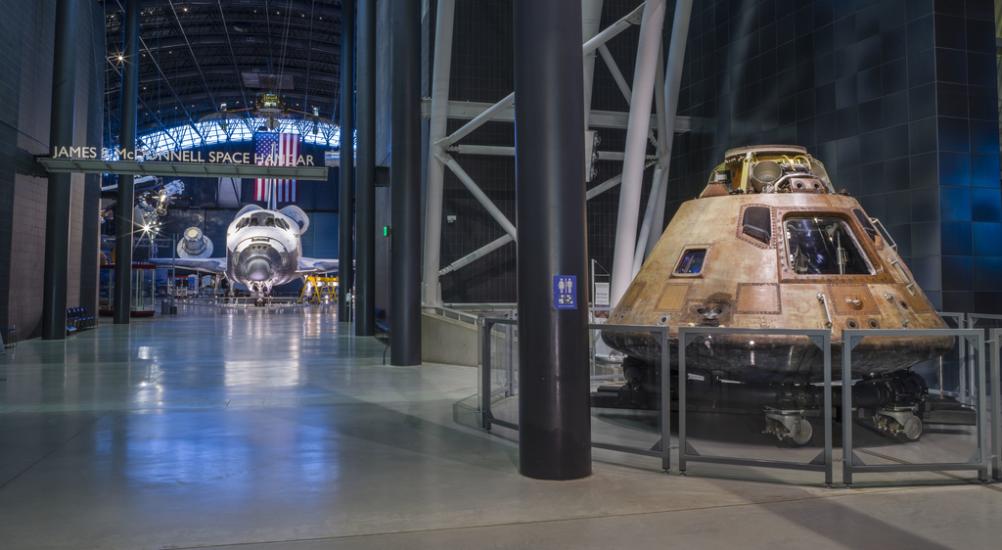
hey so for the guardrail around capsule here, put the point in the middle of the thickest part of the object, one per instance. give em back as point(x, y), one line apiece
point(852, 463)
point(488, 419)
point(994, 347)
point(688, 453)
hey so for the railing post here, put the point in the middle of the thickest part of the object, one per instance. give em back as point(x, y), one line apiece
point(995, 342)
point(665, 401)
point(847, 345)
point(682, 341)
point(485, 373)
point(983, 444)
point(829, 424)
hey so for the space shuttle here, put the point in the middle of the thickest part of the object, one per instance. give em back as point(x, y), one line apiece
point(263, 250)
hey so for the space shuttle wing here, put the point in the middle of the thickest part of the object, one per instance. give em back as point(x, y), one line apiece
point(206, 265)
point(317, 265)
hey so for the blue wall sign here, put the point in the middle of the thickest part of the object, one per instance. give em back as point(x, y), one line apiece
point(565, 291)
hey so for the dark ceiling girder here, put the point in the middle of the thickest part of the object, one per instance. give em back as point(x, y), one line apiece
point(226, 70)
point(197, 96)
point(294, 44)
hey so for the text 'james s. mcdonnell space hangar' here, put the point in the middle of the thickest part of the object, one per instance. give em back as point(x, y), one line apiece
point(589, 274)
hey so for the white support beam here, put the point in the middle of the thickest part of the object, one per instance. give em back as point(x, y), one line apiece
point(614, 30)
point(609, 184)
point(508, 151)
point(506, 238)
point(478, 194)
point(615, 120)
point(658, 221)
point(654, 218)
point(636, 146)
point(441, 68)
point(484, 117)
point(668, 125)
point(658, 183)
point(617, 75)
point(591, 20)
point(588, 47)
point(476, 254)
point(672, 85)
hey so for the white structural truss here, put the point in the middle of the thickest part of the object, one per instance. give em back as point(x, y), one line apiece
point(218, 130)
point(651, 73)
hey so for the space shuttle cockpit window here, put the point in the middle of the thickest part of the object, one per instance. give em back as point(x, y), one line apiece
point(823, 246)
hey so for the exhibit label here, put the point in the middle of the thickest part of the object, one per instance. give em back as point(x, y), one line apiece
point(190, 156)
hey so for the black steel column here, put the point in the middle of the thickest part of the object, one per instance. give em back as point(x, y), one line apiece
point(90, 240)
point(554, 415)
point(127, 141)
point(346, 202)
point(405, 182)
point(365, 178)
point(57, 213)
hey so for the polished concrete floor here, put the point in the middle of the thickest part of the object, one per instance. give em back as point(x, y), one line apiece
point(257, 430)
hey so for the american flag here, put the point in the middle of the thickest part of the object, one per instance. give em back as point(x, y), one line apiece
point(274, 149)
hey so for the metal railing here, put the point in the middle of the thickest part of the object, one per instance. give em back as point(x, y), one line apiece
point(851, 463)
point(973, 346)
point(994, 345)
point(660, 332)
point(687, 453)
point(959, 320)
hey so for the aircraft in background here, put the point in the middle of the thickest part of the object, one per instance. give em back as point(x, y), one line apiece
point(263, 250)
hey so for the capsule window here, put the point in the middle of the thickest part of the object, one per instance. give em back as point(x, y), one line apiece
point(691, 262)
point(757, 223)
point(823, 246)
point(864, 220)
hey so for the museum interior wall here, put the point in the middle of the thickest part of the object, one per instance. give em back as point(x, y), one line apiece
point(899, 100)
point(26, 35)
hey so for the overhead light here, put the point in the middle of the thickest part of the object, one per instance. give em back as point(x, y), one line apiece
point(121, 57)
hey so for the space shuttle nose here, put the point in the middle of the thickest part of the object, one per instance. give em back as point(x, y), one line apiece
point(258, 269)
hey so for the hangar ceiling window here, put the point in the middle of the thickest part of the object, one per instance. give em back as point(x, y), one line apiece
point(691, 262)
point(757, 223)
point(823, 246)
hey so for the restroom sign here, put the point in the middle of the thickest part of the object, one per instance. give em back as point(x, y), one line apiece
point(565, 291)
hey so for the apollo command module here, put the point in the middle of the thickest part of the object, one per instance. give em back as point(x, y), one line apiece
point(770, 243)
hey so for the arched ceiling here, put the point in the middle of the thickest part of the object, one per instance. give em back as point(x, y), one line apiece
point(198, 54)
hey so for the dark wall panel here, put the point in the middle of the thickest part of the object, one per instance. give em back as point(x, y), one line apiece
point(897, 98)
